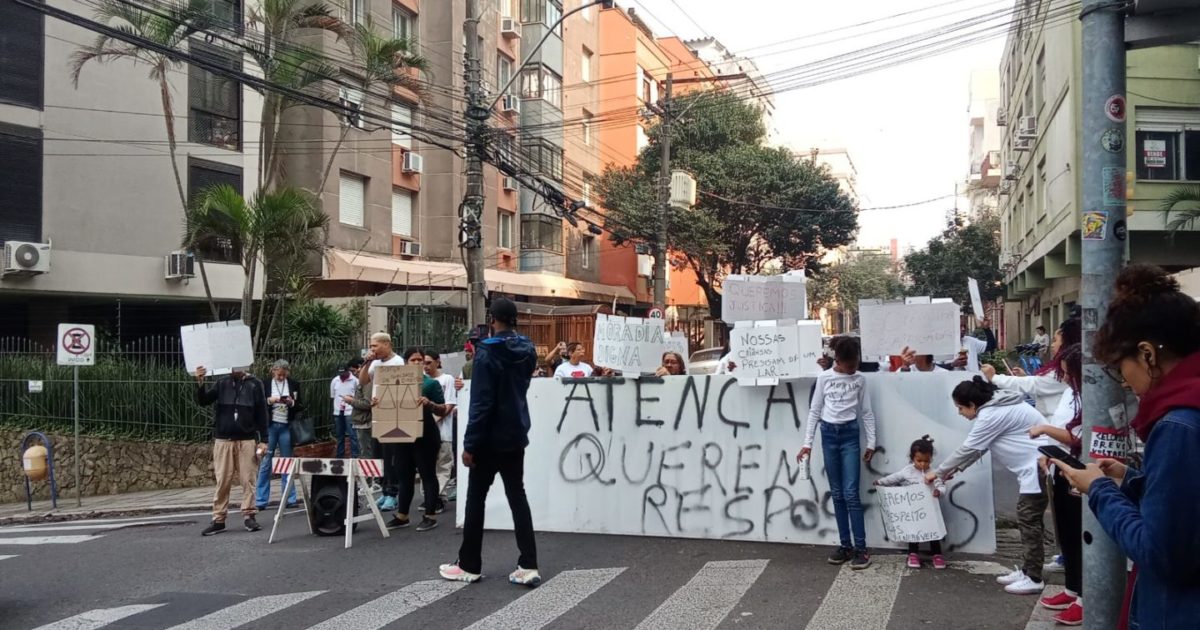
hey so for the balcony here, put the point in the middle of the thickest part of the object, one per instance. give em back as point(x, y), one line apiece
point(214, 130)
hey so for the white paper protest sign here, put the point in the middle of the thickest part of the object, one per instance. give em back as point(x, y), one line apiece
point(453, 363)
point(764, 298)
point(911, 514)
point(678, 343)
point(925, 328)
point(766, 351)
point(976, 301)
point(811, 347)
point(220, 347)
point(632, 345)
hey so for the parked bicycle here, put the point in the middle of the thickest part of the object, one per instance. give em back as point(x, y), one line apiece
point(1030, 356)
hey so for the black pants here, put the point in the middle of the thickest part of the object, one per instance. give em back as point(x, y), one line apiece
point(511, 466)
point(390, 454)
point(935, 547)
point(420, 456)
point(1068, 527)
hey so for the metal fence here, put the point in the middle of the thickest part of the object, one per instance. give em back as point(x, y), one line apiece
point(140, 390)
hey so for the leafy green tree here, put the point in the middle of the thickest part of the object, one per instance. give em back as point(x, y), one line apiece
point(960, 252)
point(863, 275)
point(741, 222)
point(1185, 202)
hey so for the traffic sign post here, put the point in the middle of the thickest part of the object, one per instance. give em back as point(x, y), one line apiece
point(656, 313)
point(76, 347)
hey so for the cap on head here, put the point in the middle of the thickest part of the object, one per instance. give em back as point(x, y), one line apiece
point(281, 365)
point(504, 311)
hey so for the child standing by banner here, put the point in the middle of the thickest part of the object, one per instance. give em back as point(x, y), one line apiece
point(920, 458)
point(839, 403)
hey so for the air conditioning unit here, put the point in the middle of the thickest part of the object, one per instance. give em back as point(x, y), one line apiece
point(1001, 117)
point(410, 248)
point(179, 265)
point(1006, 187)
point(26, 259)
point(509, 183)
point(645, 265)
point(511, 104)
point(1022, 144)
point(1027, 127)
point(510, 28)
point(683, 189)
point(412, 162)
point(1012, 170)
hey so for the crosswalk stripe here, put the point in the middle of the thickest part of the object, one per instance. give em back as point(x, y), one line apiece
point(707, 598)
point(6, 557)
point(549, 601)
point(72, 528)
point(247, 611)
point(380, 612)
point(98, 618)
point(46, 540)
point(129, 519)
point(860, 600)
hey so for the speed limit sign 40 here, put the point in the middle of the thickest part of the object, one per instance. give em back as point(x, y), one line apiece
point(656, 313)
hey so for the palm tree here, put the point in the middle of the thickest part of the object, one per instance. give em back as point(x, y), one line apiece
point(385, 61)
point(275, 228)
point(169, 26)
point(1186, 216)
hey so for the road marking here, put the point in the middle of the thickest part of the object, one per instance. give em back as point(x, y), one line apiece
point(380, 612)
point(6, 557)
point(250, 610)
point(1041, 618)
point(860, 600)
point(708, 597)
point(117, 520)
point(47, 540)
point(549, 601)
point(98, 618)
point(24, 529)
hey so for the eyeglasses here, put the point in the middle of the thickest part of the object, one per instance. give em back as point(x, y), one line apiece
point(1114, 372)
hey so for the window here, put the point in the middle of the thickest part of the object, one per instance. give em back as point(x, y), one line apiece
point(504, 236)
point(22, 48)
point(225, 15)
point(587, 127)
point(643, 140)
point(541, 82)
point(1043, 191)
point(541, 231)
point(545, 11)
point(504, 148)
point(586, 245)
point(214, 102)
point(1168, 144)
point(586, 12)
point(402, 120)
point(21, 194)
point(545, 158)
point(1027, 104)
point(404, 25)
point(1040, 81)
point(643, 85)
point(588, 186)
point(354, 101)
point(351, 199)
point(356, 11)
point(585, 65)
point(402, 213)
point(201, 176)
point(504, 69)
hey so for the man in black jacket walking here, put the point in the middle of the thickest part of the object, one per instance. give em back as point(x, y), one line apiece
point(239, 425)
point(495, 440)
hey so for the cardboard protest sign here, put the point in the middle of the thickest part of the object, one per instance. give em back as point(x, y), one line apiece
point(453, 362)
point(761, 298)
point(888, 327)
point(397, 417)
point(976, 301)
point(911, 514)
point(632, 345)
point(766, 351)
point(811, 346)
point(678, 343)
point(220, 347)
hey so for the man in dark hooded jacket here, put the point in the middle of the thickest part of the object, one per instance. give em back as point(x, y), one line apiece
point(495, 440)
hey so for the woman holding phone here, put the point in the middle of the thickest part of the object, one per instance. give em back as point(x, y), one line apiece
point(1150, 342)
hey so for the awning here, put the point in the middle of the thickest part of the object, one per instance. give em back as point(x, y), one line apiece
point(346, 265)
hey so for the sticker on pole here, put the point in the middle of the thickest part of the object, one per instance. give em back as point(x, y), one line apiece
point(1094, 224)
point(1114, 108)
point(76, 344)
point(1108, 443)
point(1113, 141)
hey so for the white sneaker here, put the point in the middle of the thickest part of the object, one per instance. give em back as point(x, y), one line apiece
point(525, 577)
point(1026, 586)
point(1011, 578)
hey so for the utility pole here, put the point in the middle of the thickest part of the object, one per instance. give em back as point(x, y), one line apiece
point(1103, 249)
point(478, 113)
point(664, 200)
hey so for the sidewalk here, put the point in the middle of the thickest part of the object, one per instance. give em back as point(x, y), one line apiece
point(134, 503)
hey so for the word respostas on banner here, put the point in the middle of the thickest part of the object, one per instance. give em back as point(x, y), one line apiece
point(701, 457)
point(629, 344)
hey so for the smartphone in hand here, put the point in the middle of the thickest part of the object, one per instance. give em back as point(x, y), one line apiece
point(1057, 452)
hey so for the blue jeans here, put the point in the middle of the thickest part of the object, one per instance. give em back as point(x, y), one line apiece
point(278, 435)
point(839, 443)
point(342, 426)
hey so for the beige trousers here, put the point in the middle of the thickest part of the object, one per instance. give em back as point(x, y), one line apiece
point(234, 460)
point(445, 462)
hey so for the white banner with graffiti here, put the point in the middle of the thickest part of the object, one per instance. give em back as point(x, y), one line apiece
point(700, 457)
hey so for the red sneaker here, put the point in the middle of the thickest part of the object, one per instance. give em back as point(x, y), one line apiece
point(1072, 616)
point(1062, 601)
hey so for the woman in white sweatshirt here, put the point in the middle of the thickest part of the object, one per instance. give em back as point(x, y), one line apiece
point(1047, 388)
point(1002, 422)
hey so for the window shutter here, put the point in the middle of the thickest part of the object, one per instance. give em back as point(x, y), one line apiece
point(400, 132)
point(1171, 118)
point(351, 193)
point(402, 213)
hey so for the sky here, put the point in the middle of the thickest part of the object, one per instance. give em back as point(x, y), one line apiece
point(905, 126)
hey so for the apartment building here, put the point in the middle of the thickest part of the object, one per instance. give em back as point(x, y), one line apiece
point(984, 166)
point(1042, 150)
point(88, 180)
point(753, 86)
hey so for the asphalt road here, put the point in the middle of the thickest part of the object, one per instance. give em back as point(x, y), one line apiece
point(159, 572)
